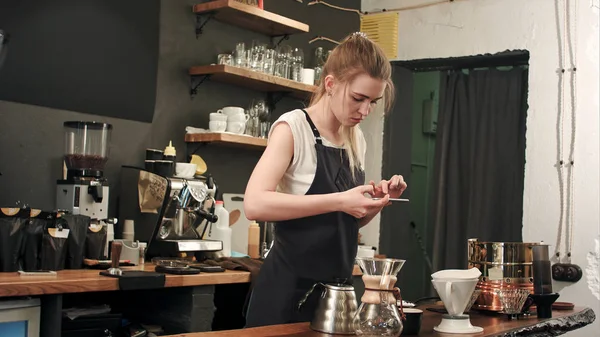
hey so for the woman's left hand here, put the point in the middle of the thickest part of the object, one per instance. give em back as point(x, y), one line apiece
point(393, 187)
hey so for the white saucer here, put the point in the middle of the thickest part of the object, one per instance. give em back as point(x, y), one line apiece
point(462, 325)
point(472, 329)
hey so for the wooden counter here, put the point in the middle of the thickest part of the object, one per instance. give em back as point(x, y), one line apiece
point(89, 280)
point(186, 303)
point(493, 325)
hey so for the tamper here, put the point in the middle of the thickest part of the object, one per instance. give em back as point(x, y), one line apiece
point(115, 255)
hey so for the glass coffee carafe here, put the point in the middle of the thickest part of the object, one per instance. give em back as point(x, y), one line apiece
point(378, 314)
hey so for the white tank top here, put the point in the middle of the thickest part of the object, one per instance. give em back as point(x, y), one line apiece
point(301, 172)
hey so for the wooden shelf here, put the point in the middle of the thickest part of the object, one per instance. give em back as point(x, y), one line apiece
point(254, 80)
point(251, 17)
point(228, 138)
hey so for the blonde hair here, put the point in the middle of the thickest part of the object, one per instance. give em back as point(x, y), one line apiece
point(354, 56)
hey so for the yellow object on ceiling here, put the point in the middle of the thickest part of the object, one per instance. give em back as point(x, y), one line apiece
point(382, 28)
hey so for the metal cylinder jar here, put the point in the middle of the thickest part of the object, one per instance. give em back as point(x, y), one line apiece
point(503, 265)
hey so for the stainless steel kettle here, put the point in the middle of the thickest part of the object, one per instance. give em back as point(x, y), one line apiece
point(336, 309)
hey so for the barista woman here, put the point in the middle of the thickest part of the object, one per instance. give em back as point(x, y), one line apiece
point(310, 181)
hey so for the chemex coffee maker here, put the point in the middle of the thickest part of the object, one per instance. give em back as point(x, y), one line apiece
point(84, 189)
point(168, 212)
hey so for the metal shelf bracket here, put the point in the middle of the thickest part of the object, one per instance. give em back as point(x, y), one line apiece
point(281, 39)
point(195, 81)
point(201, 21)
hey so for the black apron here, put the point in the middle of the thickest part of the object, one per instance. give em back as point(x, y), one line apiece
point(320, 248)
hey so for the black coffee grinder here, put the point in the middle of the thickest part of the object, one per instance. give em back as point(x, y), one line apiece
point(84, 189)
point(542, 296)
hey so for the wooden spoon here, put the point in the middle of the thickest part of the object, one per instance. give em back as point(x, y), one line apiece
point(234, 216)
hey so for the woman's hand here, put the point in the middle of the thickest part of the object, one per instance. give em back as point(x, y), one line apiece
point(392, 188)
point(355, 203)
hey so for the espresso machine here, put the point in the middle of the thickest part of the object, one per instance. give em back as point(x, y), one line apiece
point(170, 214)
point(84, 189)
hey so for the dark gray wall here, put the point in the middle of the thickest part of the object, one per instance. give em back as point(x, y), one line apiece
point(94, 56)
point(396, 238)
point(31, 138)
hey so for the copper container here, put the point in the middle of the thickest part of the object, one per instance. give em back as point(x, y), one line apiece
point(503, 265)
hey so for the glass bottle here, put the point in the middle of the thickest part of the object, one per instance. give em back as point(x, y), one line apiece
point(318, 64)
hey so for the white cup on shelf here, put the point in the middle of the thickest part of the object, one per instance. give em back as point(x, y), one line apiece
point(217, 116)
point(217, 126)
point(308, 76)
point(231, 110)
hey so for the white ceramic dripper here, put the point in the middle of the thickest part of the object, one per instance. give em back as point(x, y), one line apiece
point(455, 294)
point(455, 288)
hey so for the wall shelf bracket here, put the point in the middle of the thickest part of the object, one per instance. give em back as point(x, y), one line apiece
point(281, 39)
point(196, 148)
point(195, 81)
point(201, 21)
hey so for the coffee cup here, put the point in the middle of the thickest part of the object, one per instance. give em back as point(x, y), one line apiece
point(412, 325)
point(217, 116)
point(308, 76)
point(165, 168)
point(217, 126)
point(154, 154)
point(236, 127)
point(231, 110)
point(149, 165)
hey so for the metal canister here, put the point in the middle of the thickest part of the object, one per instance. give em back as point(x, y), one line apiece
point(503, 265)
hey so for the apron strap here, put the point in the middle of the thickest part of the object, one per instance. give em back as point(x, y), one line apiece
point(313, 128)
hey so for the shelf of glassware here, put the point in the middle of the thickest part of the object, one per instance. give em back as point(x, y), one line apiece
point(253, 80)
point(250, 17)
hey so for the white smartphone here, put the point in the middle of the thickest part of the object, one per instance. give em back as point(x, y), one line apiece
point(394, 200)
point(38, 273)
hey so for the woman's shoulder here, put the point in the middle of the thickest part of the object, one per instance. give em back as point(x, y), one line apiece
point(296, 121)
point(293, 116)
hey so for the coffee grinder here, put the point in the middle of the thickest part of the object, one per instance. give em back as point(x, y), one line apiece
point(84, 189)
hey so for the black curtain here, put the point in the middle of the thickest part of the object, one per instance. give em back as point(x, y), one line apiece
point(479, 161)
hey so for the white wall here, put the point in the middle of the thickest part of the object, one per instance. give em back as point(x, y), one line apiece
point(372, 128)
point(473, 27)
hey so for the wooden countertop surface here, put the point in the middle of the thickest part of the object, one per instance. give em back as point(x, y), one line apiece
point(493, 325)
point(89, 280)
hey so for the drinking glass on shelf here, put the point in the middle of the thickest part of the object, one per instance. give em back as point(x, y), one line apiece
point(226, 59)
point(248, 63)
point(269, 62)
point(240, 55)
point(264, 129)
point(264, 117)
point(252, 126)
point(319, 62)
point(297, 64)
point(282, 61)
point(257, 55)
